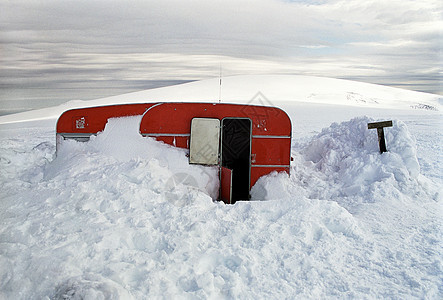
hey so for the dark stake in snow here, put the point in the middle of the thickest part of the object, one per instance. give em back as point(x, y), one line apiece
point(380, 132)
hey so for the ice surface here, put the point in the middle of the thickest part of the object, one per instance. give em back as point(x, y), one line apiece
point(126, 217)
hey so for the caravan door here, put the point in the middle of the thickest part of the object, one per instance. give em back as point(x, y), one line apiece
point(236, 137)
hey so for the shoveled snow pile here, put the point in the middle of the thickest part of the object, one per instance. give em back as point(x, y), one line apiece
point(125, 217)
point(345, 158)
point(143, 160)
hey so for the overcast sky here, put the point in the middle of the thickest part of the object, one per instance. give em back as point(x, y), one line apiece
point(110, 46)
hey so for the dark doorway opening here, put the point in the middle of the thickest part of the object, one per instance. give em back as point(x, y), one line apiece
point(236, 154)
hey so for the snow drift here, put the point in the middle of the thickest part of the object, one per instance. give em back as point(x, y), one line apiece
point(343, 163)
point(123, 217)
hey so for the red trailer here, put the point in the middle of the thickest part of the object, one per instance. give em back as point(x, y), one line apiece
point(81, 123)
point(245, 141)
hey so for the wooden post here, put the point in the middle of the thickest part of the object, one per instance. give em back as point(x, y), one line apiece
point(380, 132)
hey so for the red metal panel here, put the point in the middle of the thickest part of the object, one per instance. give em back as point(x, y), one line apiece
point(226, 185)
point(165, 139)
point(94, 119)
point(176, 141)
point(271, 151)
point(272, 126)
point(265, 120)
point(181, 142)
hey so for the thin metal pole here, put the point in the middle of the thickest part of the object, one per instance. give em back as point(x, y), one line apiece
point(219, 93)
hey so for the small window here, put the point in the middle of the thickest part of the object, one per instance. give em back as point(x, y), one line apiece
point(204, 145)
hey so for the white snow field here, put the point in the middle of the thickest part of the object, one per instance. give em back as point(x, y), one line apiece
point(126, 217)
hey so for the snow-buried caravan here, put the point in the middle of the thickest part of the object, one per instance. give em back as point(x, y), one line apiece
point(245, 141)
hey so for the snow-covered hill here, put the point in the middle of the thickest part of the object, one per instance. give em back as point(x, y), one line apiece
point(261, 89)
point(126, 217)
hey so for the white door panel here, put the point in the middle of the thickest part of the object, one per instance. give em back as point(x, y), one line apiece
point(204, 145)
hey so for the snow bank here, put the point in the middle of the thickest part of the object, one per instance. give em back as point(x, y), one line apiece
point(120, 149)
point(347, 154)
point(125, 217)
point(343, 161)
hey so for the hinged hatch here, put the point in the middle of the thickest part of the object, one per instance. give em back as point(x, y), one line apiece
point(204, 143)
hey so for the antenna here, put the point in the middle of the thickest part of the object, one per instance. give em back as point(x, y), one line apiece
point(219, 93)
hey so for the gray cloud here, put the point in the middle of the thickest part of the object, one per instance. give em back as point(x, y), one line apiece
point(137, 44)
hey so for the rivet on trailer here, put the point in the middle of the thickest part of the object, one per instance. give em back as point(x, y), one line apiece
point(245, 141)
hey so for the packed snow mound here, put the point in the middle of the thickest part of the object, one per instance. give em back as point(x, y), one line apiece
point(350, 151)
point(268, 90)
point(120, 149)
point(343, 161)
